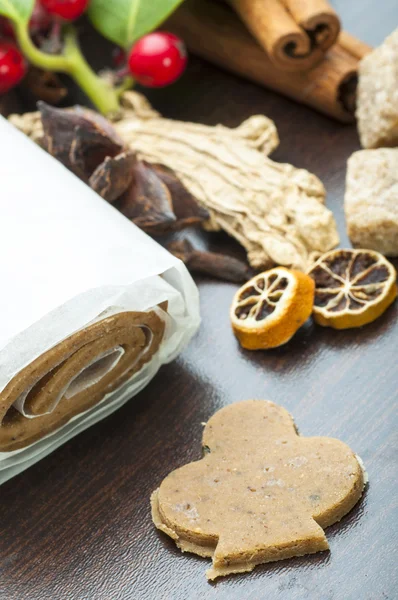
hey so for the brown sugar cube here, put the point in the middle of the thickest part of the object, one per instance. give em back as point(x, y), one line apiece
point(377, 95)
point(260, 493)
point(371, 200)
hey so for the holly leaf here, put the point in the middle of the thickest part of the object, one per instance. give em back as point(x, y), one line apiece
point(125, 21)
point(18, 11)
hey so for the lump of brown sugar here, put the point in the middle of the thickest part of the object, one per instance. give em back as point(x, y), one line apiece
point(377, 95)
point(371, 200)
point(260, 493)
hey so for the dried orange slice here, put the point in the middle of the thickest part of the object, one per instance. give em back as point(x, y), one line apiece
point(352, 287)
point(268, 310)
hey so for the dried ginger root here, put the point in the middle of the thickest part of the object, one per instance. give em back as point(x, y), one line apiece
point(274, 210)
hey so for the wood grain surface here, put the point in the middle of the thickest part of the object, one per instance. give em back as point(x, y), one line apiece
point(77, 525)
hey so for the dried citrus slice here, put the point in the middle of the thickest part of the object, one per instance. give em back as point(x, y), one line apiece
point(352, 287)
point(268, 310)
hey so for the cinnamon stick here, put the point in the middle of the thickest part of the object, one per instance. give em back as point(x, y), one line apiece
point(294, 33)
point(317, 18)
point(213, 32)
point(353, 45)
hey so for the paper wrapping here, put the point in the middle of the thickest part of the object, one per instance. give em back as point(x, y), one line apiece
point(90, 306)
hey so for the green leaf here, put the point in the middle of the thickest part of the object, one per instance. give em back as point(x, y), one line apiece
point(124, 21)
point(18, 11)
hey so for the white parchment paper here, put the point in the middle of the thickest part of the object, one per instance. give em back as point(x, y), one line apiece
point(67, 259)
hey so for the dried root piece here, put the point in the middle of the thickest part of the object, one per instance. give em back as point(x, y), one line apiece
point(274, 210)
point(147, 202)
point(258, 132)
point(30, 124)
point(216, 265)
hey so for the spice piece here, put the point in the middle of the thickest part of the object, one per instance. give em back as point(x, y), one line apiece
point(371, 200)
point(90, 147)
point(329, 87)
point(58, 134)
point(216, 265)
point(185, 207)
point(377, 106)
point(87, 144)
point(44, 85)
point(352, 288)
point(274, 210)
point(268, 310)
point(294, 34)
point(147, 202)
point(353, 45)
point(79, 138)
point(318, 19)
point(113, 176)
point(262, 493)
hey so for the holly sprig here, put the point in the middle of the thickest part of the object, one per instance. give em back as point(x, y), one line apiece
point(121, 21)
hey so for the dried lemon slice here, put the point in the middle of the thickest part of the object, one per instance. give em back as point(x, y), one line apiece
point(268, 310)
point(352, 287)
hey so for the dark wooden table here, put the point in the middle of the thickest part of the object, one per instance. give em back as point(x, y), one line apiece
point(77, 525)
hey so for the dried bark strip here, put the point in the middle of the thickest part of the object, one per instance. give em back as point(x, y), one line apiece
point(220, 266)
point(113, 176)
point(147, 202)
point(185, 206)
point(79, 138)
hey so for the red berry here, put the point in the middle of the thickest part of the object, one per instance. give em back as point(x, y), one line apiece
point(157, 59)
point(40, 20)
point(69, 10)
point(6, 28)
point(12, 66)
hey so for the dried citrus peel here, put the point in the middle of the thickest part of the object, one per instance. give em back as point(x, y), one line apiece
point(353, 287)
point(268, 310)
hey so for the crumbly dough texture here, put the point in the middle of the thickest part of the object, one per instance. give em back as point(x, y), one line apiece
point(371, 199)
point(377, 95)
point(274, 210)
point(260, 493)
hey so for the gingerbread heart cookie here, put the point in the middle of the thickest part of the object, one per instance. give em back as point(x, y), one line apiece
point(260, 493)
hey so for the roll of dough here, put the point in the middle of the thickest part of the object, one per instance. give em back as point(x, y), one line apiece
point(90, 306)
